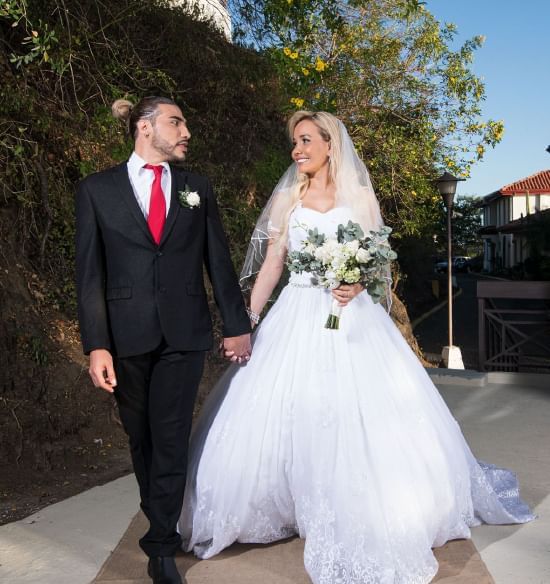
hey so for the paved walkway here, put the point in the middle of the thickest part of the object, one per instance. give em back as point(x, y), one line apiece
point(279, 563)
point(506, 424)
point(432, 333)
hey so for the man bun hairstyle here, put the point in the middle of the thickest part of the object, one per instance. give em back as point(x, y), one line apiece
point(145, 109)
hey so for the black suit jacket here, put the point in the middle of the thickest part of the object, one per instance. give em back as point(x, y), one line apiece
point(133, 292)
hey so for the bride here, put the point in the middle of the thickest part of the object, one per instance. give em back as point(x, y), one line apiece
point(338, 436)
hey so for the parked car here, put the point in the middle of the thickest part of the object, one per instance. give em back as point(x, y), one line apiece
point(460, 264)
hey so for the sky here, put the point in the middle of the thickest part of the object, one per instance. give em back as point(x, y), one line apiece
point(514, 63)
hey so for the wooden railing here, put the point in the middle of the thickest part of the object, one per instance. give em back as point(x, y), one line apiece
point(514, 326)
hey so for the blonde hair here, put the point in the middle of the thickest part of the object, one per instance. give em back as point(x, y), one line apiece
point(328, 126)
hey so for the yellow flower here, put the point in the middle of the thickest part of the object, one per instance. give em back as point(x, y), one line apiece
point(320, 65)
point(294, 55)
point(297, 101)
point(305, 71)
point(287, 51)
point(317, 96)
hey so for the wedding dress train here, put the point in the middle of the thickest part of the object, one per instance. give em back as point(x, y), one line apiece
point(338, 436)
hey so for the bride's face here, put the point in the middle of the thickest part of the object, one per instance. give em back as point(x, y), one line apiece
point(311, 151)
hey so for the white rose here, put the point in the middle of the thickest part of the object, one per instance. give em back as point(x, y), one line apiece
point(338, 261)
point(332, 245)
point(322, 254)
point(352, 246)
point(193, 199)
point(362, 256)
point(325, 252)
point(331, 280)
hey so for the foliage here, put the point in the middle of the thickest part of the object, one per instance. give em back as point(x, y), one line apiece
point(63, 62)
point(466, 223)
point(388, 69)
point(349, 258)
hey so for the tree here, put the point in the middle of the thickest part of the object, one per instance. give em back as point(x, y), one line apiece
point(386, 67)
point(466, 223)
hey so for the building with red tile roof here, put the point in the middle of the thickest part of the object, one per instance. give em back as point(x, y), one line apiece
point(507, 216)
point(536, 184)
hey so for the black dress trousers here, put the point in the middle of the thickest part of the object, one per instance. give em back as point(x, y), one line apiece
point(156, 393)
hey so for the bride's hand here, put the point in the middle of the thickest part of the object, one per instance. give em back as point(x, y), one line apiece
point(347, 292)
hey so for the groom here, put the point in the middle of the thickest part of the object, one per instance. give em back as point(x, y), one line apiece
point(143, 231)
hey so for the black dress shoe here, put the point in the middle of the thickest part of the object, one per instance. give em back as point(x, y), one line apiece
point(163, 570)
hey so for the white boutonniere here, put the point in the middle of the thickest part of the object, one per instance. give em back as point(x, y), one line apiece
point(189, 199)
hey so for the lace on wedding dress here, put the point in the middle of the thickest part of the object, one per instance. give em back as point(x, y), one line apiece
point(341, 438)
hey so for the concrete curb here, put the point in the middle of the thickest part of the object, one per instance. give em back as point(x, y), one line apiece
point(462, 377)
point(471, 378)
point(520, 379)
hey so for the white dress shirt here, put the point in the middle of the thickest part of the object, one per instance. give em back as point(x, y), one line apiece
point(142, 181)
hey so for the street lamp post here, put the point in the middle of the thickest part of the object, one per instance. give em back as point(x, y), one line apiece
point(446, 185)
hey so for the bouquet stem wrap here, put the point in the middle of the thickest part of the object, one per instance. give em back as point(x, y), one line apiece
point(333, 320)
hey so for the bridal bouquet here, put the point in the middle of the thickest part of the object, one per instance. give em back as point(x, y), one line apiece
point(349, 258)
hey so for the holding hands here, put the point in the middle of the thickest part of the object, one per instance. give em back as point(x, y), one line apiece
point(237, 349)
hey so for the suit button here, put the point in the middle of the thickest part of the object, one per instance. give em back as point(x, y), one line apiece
point(162, 289)
point(159, 254)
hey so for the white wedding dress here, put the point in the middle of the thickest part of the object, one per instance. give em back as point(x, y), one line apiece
point(338, 436)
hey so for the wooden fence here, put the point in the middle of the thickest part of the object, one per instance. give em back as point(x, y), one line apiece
point(514, 326)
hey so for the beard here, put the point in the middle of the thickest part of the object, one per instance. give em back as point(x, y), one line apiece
point(168, 150)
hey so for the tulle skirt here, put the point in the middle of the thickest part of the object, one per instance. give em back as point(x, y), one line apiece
point(338, 436)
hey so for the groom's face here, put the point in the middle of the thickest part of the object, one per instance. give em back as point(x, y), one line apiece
point(170, 135)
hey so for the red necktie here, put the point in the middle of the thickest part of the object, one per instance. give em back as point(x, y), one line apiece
point(157, 204)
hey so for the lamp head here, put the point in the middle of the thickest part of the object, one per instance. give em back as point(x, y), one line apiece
point(446, 185)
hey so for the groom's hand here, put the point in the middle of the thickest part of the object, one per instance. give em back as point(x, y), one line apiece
point(237, 348)
point(101, 370)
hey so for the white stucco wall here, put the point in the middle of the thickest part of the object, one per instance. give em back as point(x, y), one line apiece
point(509, 208)
point(536, 203)
point(210, 9)
point(506, 249)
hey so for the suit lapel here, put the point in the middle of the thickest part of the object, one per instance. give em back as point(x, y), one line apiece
point(124, 187)
point(178, 184)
